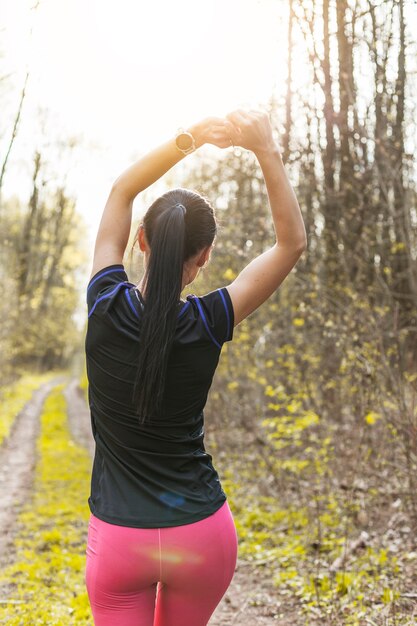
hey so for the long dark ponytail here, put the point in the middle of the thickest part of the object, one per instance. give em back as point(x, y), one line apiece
point(177, 225)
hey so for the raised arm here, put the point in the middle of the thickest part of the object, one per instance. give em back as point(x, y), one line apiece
point(114, 230)
point(264, 274)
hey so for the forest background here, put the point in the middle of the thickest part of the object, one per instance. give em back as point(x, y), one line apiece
point(312, 418)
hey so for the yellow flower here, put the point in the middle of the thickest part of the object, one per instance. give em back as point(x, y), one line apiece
point(372, 417)
point(298, 321)
point(229, 274)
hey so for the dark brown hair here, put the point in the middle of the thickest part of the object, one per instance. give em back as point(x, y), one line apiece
point(177, 225)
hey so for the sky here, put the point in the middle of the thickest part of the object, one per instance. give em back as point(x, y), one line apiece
point(118, 78)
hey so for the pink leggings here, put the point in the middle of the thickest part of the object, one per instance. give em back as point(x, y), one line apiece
point(174, 576)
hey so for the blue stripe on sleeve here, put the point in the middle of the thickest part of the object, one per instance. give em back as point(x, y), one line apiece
point(227, 311)
point(101, 274)
point(129, 299)
point(106, 295)
point(205, 321)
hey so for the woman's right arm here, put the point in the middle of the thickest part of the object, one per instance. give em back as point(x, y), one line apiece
point(264, 274)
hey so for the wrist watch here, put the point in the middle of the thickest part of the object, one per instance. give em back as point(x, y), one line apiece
point(184, 141)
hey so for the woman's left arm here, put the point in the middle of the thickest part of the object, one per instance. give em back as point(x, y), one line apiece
point(114, 230)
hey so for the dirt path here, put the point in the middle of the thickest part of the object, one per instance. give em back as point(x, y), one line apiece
point(79, 416)
point(17, 463)
point(251, 600)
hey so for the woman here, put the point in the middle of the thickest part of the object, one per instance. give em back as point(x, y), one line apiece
point(162, 544)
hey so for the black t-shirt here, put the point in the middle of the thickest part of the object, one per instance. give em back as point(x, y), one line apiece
point(155, 474)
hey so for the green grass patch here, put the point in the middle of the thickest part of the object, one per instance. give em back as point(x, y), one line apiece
point(14, 398)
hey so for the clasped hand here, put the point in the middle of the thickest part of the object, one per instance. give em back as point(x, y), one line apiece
point(248, 129)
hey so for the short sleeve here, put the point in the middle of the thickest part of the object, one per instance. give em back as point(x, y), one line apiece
point(216, 310)
point(104, 284)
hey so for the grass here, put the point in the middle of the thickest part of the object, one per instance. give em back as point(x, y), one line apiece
point(14, 398)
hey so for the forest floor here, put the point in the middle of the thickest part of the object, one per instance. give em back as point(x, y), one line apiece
point(17, 463)
point(45, 462)
point(251, 598)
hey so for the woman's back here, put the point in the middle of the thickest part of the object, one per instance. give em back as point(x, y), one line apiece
point(157, 473)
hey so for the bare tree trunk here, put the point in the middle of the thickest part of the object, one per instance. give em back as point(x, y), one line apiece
point(13, 137)
point(345, 93)
point(27, 234)
point(63, 219)
point(288, 102)
point(404, 273)
point(330, 208)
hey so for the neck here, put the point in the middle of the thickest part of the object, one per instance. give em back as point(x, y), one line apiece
point(185, 281)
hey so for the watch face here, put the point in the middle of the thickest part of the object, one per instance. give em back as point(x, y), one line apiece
point(184, 141)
